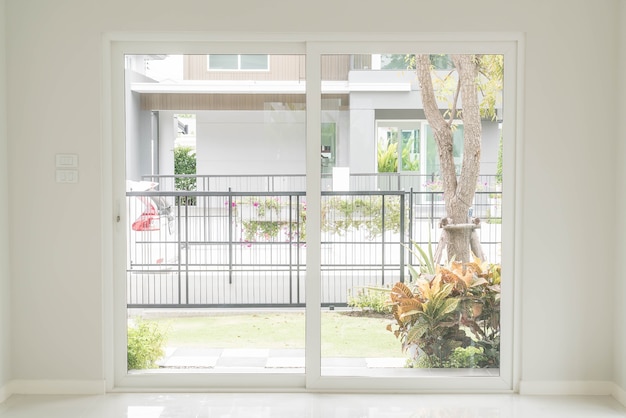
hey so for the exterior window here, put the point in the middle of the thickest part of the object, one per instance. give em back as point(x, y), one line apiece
point(225, 62)
point(432, 159)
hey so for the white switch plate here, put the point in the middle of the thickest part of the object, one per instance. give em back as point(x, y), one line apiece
point(67, 160)
point(67, 176)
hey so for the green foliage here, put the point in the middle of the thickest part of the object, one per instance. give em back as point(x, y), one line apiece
point(499, 163)
point(456, 308)
point(268, 230)
point(425, 259)
point(460, 358)
point(467, 357)
point(439, 62)
point(408, 164)
point(387, 157)
point(185, 163)
point(262, 219)
point(370, 299)
point(341, 215)
point(490, 83)
point(146, 341)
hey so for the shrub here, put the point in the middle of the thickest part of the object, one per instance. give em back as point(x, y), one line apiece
point(457, 308)
point(460, 358)
point(146, 342)
point(371, 299)
point(185, 163)
point(341, 215)
point(387, 157)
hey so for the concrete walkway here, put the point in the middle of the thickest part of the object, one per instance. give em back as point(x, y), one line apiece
point(278, 360)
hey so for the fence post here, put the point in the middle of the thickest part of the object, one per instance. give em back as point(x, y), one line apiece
point(402, 232)
point(290, 237)
point(383, 239)
point(187, 249)
point(432, 203)
point(230, 237)
point(180, 251)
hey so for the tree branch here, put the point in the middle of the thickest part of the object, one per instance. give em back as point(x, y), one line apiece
point(455, 100)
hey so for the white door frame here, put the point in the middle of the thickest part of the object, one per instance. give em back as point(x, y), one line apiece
point(116, 45)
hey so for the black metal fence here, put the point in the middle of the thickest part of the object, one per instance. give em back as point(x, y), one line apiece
point(226, 249)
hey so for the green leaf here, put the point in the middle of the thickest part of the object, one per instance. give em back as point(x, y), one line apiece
point(409, 313)
point(417, 331)
point(450, 305)
point(425, 259)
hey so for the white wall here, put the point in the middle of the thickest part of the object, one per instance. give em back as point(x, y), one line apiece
point(620, 227)
point(54, 71)
point(5, 290)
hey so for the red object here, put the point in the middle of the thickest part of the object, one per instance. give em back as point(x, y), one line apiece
point(148, 220)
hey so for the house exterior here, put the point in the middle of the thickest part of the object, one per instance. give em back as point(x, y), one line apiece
point(364, 102)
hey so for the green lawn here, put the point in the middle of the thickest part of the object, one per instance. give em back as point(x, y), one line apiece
point(343, 335)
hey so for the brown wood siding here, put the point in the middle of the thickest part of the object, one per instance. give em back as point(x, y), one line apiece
point(185, 102)
point(337, 67)
point(282, 67)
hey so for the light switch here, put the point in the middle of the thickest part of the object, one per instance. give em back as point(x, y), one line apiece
point(67, 176)
point(67, 160)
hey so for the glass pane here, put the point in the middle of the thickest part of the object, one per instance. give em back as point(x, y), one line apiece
point(386, 311)
point(394, 61)
point(433, 165)
point(223, 62)
point(409, 151)
point(217, 211)
point(329, 149)
point(254, 62)
point(404, 62)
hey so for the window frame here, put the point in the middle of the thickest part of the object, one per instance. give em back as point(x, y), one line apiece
point(314, 46)
point(238, 69)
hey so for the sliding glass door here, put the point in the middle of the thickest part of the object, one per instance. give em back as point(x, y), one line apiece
point(292, 223)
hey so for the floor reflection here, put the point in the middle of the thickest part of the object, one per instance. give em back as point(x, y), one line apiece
point(309, 405)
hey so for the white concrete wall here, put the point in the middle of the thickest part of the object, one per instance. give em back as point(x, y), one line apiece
point(362, 140)
point(138, 131)
point(250, 142)
point(489, 148)
point(5, 288)
point(54, 54)
point(167, 137)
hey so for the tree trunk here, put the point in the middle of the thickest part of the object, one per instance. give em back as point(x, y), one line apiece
point(458, 193)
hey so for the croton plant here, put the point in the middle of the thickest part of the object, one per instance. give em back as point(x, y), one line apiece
point(449, 317)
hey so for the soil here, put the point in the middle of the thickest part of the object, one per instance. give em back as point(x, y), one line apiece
point(368, 314)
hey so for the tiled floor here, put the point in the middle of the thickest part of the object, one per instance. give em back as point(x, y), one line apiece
point(273, 405)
